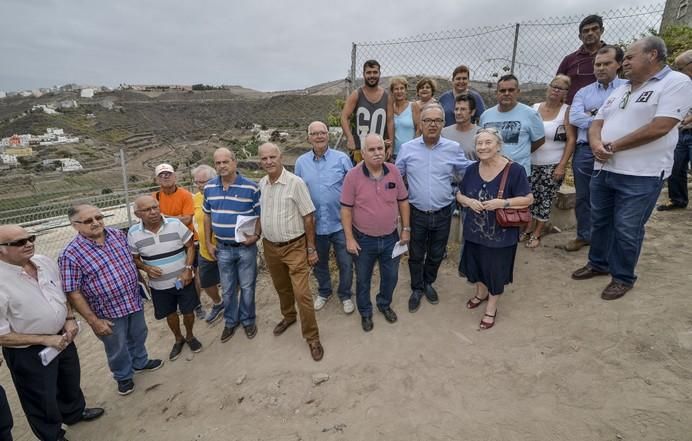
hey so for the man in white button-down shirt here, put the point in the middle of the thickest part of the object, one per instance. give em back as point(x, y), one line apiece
point(34, 314)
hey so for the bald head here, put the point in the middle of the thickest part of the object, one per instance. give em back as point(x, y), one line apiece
point(223, 152)
point(144, 201)
point(9, 233)
point(270, 159)
point(683, 63)
point(15, 255)
point(269, 147)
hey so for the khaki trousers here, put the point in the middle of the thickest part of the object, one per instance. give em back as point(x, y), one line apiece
point(289, 269)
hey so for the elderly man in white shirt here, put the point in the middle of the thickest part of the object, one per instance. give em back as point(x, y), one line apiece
point(34, 315)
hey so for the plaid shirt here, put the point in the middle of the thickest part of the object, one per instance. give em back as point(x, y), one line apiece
point(106, 274)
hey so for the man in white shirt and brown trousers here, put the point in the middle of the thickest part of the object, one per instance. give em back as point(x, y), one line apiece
point(35, 314)
point(288, 225)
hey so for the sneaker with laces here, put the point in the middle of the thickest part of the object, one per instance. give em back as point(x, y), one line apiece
point(214, 313)
point(151, 365)
point(320, 302)
point(125, 387)
point(200, 313)
point(349, 307)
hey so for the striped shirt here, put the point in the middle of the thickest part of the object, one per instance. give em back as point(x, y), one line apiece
point(284, 203)
point(163, 249)
point(240, 198)
point(105, 274)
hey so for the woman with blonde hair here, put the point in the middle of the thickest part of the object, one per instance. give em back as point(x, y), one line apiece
point(548, 162)
point(406, 114)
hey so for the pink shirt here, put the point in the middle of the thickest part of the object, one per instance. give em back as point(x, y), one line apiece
point(374, 201)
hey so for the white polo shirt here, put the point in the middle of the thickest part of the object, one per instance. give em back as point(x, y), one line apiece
point(666, 94)
point(30, 306)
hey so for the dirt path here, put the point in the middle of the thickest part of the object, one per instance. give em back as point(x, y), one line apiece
point(561, 364)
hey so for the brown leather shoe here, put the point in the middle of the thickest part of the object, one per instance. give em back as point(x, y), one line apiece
point(316, 350)
point(615, 290)
point(586, 272)
point(576, 245)
point(282, 326)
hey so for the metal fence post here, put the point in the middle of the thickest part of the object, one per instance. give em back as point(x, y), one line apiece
point(352, 84)
point(123, 166)
point(514, 49)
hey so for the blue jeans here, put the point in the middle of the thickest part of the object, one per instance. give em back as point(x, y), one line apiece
point(125, 346)
point(375, 249)
point(238, 266)
point(677, 182)
point(343, 260)
point(620, 207)
point(582, 167)
point(429, 235)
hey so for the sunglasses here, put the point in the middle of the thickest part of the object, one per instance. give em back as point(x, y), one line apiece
point(90, 221)
point(20, 242)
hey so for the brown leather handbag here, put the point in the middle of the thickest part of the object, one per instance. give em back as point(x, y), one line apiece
point(510, 217)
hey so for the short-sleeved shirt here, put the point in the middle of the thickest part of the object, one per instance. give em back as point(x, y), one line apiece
point(429, 171)
point(30, 306)
point(666, 94)
point(198, 223)
point(466, 140)
point(519, 127)
point(284, 203)
point(482, 228)
point(164, 249)
point(105, 274)
point(448, 101)
point(324, 177)
point(374, 201)
point(242, 197)
point(178, 203)
point(578, 66)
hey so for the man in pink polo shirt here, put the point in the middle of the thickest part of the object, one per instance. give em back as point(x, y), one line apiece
point(372, 198)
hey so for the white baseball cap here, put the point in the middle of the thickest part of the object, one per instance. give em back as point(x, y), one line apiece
point(163, 168)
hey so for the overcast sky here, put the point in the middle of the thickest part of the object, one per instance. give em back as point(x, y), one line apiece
point(262, 44)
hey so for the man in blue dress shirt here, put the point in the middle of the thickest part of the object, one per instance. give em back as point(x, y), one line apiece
point(429, 163)
point(584, 107)
point(323, 169)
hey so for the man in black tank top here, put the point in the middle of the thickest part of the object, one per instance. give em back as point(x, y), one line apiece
point(372, 107)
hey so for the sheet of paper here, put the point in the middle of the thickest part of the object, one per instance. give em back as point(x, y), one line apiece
point(244, 225)
point(399, 249)
point(49, 353)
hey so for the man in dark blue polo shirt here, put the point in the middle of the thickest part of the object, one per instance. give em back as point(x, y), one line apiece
point(225, 198)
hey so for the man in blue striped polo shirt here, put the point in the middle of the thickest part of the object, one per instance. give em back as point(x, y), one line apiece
point(225, 198)
point(164, 249)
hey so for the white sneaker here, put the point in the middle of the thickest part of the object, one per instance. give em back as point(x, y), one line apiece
point(349, 307)
point(320, 302)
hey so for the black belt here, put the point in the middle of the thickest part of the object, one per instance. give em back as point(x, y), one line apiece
point(283, 244)
point(228, 243)
point(431, 211)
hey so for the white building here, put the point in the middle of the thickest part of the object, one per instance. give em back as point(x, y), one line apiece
point(66, 164)
point(10, 160)
point(2, 94)
point(86, 93)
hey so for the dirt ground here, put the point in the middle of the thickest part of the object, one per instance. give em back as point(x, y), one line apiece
point(560, 364)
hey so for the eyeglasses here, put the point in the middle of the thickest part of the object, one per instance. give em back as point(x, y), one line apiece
point(148, 209)
point(564, 89)
point(318, 133)
point(165, 175)
point(625, 99)
point(20, 242)
point(91, 220)
point(437, 121)
point(201, 182)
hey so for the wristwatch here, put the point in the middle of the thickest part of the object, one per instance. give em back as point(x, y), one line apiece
point(506, 203)
point(406, 229)
point(188, 267)
point(311, 250)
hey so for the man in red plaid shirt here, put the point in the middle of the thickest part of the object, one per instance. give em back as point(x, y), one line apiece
point(100, 279)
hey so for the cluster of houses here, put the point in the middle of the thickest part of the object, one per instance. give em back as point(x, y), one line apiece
point(17, 146)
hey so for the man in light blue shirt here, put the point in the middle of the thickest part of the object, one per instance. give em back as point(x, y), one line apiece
point(323, 169)
point(584, 107)
point(520, 125)
point(429, 162)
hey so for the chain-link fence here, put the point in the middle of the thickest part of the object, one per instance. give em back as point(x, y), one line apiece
point(532, 50)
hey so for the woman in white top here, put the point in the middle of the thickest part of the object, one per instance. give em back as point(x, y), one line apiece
point(548, 162)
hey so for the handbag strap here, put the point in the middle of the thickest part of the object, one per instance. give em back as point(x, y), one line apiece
point(505, 173)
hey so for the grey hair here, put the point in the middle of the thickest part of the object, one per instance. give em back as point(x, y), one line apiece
point(685, 57)
point(653, 43)
point(364, 143)
point(204, 168)
point(431, 106)
point(75, 207)
point(491, 131)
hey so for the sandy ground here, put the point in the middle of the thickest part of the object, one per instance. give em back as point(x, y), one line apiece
point(561, 364)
